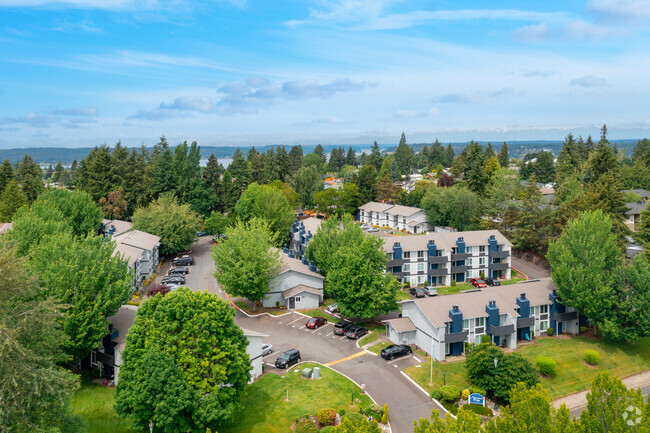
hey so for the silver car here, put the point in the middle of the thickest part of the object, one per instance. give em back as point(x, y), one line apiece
point(430, 291)
point(365, 226)
point(267, 349)
point(373, 230)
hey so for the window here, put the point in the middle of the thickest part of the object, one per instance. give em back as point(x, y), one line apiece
point(465, 324)
point(480, 321)
point(469, 250)
point(421, 279)
point(420, 254)
point(390, 256)
point(453, 250)
point(543, 326)
point(440, 253)
point(406, 268)
point(469, 262)
point(477, 339)
point(481, 261)
point(407, 254)
point(421, 266)
point(468, 274)
point(481, 248)
point(543, 309)
point(297, 299)
point(502, 319)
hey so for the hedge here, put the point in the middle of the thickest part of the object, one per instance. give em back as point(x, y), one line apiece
point(485, 411)
point(546, 366)
point(326, 416)
point(306, 425)
point(356, 418)
point(592, 357)
point(450, 393)
point(474, 389)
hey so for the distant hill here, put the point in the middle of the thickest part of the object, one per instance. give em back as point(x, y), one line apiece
point(516, 149)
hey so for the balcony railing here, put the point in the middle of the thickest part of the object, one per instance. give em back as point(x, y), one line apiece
point(459, 269)
point(525, 322)
point(438, 259)
point(455, 337)
point(438, 272)
point(563, 317)
point(499, 254)
point(460, 256)
point(497, 331)
point(499, 266)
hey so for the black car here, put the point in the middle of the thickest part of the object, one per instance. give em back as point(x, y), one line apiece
point(288, 358)
point(178, 271)
point(355, 332)
point(492, 282)
point(395, 350)
point(417, 292)
point(201, 234)
point(342, 326)
point(174, 279)
point(183, 261)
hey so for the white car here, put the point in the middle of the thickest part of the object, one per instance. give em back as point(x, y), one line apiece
point(267, 349)
point(365, 226)
point(373, 230)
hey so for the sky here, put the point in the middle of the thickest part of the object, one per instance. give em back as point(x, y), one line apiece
point(79, 73)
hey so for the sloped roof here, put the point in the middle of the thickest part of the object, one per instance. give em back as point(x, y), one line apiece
point(132, 254)
point(296, 266)
point(472, 304)
point(635, 208)
point(376, 207)
point(120, 226)
point(444, 241)
point(138, 239)
point(640, 192)
point(300, 288)
point(404, 211)
point(311, 224)
point(403, 324)
point(122, 321)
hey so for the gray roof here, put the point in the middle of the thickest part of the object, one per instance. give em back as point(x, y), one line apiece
point(472, 304)
point(120, 226)
point(404, 211)
point(402, 324)
point(635, 208)
point(301, 288)
point(138, 239)
point(376, 207)
point(640, 192)
point(311, 224)
point(122, 321)
point(444, 241)
point(131, 254)
point(296, 266)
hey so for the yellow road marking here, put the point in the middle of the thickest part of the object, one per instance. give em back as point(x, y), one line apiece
point(356, 355)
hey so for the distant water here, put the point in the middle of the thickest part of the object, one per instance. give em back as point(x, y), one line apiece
point(224, 161)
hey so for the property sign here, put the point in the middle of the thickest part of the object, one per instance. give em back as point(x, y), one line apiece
point(477, 399)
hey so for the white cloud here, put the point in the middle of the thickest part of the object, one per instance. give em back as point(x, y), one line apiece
point(589, 81)
point(476, 97)
point(84, 111)
point(414, 114)
point(621, 10)
point(571, 30)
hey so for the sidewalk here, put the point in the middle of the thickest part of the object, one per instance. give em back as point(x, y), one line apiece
point(579, 400)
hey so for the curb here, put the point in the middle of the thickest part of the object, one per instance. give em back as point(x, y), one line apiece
point(366, 350)
point(427, 394)
point(252, 315)
point(519, 272)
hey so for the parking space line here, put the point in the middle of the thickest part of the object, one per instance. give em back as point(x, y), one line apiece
point(356, 355)
point(293, 321)
point(398, 359)
point(329, 334)
point(417, 360)
point(303, 326)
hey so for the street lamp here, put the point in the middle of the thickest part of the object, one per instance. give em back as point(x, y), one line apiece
point(150, 426)
point(496, 361)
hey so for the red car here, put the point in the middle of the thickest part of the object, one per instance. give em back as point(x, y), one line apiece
point(315, 322)
point(477, 283)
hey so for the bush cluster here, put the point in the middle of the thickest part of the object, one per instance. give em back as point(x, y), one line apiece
point(450, 393)
point(474, 389)
point(436, 394)
point(375, 411)
point(465, 394)
point(486, 411)
point(486, 339)
point(356, 418)
point(306, 425)
point(326, 416)
point(327, 429)
point(547, 366)
point(592, 357)
point(384, 416)
point(549, 331)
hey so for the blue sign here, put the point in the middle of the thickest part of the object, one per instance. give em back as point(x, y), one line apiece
point(477, 399)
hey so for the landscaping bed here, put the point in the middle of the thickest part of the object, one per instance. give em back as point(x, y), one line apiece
point(246, 307)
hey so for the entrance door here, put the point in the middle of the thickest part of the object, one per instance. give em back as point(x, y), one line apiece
point(292, 303)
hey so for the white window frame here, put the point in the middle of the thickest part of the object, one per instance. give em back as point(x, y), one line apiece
point(406, 255)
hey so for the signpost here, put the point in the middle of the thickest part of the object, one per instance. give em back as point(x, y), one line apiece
point(477, 399)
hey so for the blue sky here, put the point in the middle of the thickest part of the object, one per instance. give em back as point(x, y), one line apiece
point(240, 72)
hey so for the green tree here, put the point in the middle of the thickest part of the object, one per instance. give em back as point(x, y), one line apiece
point(585, 265)
point(544, 167)
point(185, 365)
point(454, 206)
point(328, 202)
point(602, 161)
point(375, 159)
point(404, 157)
point(86, 276)
point(57, 175)
point(29, 175)
point(319, 151)
point(11, 199)
point(295, 159)
point(79, 210)
point(6, 174)
point(366, 179)
point(386, 190)
point(350, 198)
point(313, 160)
point(217, 223)
point(245, 262)
point(175, 224)
point(164, 173)
point(503, 157)
point(351, 157)
point(307, 182)
point(267, 202)
point(93, 174)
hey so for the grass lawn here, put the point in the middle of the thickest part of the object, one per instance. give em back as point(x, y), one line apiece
point(573, 374)
point(368, 339)
point(95, 404)
point(244, 305)
point(317, 312)
point(403, 295)
point(267, 411)
point(377, 348)
point(466, 286)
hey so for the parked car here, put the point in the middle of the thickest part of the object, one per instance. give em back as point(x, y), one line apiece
point(267, 349)
point(342, 326)
point(430, 290)
point(183, 261)
point(355, 332)
point(179, 271)
point(334, 308)
point(492, 282)
point(417, 292)
point(174, 279)
point(365, 226)
point(477, 283)
point(373, 230)
point(288, 358)
point(315, 322)
point(395, 350)
point(202, 233)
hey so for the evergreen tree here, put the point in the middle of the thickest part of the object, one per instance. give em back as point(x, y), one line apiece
point(212, 179)
point(252, 153)
point(240, 172)
point(258, 169)
point(404, 157)
point(602, 160)
point(366, 179)
point(307, 182)
point(318, 150)
point(295, 159)
point(165, 177)
point(57, 174)
point(282, 164)
point(11, 199)
point(503, 157)
point(6, 174)
point(119, 166)
point(488, 152)
point(375, 159)
point(436, 154)
point(93, 175)
point(351, 157)
point(449, 156)
point(31, 181)
point(544, 168)
point(336, 160)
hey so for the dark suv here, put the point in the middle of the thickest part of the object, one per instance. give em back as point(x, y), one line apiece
point(492, 282)
point(183, 261)
point(288, 358)
point(354, 332)
point(341, 327)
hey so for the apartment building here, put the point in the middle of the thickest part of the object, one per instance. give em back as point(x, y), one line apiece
point(301, 233)
point(507, 314)
point(440, 258)
point(396, 217)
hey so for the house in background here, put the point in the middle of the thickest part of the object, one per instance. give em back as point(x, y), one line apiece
point(302, 231)
point(142, 252)
point(298, 285)
point(254, 350)
point(633, 214)
point(440, 258)
point(108, 355)
point(397, 217)
point(442, 325)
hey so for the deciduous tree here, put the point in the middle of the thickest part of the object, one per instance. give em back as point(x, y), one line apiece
point(266, 202)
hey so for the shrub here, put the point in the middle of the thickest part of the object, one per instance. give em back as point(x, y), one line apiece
point(582, 329)
point(592, 357)
point(486, 339)
point(375, 411)
point(436, 394)
point(482, 275)
point(465, 394)
point(158, 288)
point(450, 393)
point(485, 411)
point(342, 412)
point(306, 425)
point(474, 389)
point(384, 416)
point(549, 331)
point(453, 283)
point(327, 429)
point(547, 366)
point(326, 416)
point(356, 418)
point(407, 285)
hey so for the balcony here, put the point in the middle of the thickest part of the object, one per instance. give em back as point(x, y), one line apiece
point(563, 317)
point(395, 262)
point(438, 272)
point(460, 256)
point(459, 269)
point(455, 337)
point(499, 254)
point(500, 266)
point(497, 331)
point(525, 322)
point(438, 259)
